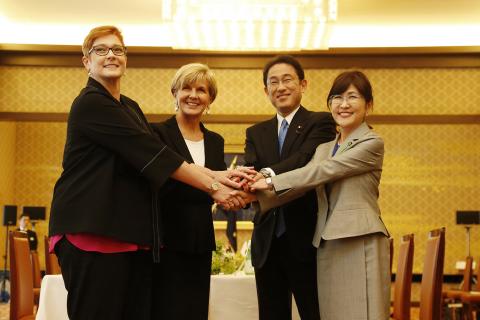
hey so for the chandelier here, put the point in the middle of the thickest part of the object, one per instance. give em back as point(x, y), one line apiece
point(250, 25)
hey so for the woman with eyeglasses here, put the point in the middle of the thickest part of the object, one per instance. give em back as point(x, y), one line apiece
point(353, 264)
point(105, 222)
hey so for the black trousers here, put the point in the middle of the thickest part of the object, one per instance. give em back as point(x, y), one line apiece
point(182, 286)
point(280, 276)
point(106, 286)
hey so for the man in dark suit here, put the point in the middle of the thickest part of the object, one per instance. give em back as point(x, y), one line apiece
point(24, 226)
point(282, 250)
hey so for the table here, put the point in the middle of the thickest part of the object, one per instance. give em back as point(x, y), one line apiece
point(53, 299)
point(232, 297)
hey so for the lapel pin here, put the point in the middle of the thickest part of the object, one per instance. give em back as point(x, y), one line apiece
point(299, 129)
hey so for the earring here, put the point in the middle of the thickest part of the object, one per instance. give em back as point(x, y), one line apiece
point(175, 105)
point(207, 110)
point(89, 73)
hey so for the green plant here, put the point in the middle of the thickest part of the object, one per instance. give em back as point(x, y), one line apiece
point(224, 260)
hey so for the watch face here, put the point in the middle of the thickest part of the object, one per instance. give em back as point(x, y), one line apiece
point(215, 186)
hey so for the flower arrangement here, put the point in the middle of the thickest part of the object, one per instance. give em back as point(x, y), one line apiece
point(225, 260)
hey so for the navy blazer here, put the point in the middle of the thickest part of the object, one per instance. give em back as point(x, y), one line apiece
point(186, 211)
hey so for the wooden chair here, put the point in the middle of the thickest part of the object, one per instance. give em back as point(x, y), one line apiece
point(390, 240)
point(21, 278)
point(452, 297)
point(403, 279)
point(51, 260)
point(471, 300)
point(37, 274)
point(432, 276)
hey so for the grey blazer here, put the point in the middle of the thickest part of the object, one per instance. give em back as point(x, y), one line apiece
point(352, 178)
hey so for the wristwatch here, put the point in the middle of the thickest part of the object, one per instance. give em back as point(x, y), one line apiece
point(214, 187)
point(265, 173)
point(269, 183)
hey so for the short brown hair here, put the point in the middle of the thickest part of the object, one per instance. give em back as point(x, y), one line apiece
point(97, 33)
point(191, 73)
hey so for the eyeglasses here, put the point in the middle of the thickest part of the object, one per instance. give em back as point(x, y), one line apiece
point(287, 82)
point(337, 99)
point(103, 50)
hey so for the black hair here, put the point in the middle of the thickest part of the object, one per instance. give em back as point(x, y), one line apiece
point(287, 59)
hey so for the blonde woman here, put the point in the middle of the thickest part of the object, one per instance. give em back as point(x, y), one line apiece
point(182, 279)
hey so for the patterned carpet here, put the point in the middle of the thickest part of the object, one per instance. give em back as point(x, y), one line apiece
point(4, 309)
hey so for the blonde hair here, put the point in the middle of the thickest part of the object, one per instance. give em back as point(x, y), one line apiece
point(97, 33)
point(194, 72)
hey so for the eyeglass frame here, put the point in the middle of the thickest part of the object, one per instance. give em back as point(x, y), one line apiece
point(109, 49)
point(286, 81)
point(351, 99)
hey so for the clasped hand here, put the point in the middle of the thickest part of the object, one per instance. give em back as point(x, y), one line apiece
point(234, 191)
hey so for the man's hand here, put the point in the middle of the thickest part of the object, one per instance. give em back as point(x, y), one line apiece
point(235, 178)
point(259, 185)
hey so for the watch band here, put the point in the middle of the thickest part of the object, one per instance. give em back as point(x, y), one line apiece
point(265, 173)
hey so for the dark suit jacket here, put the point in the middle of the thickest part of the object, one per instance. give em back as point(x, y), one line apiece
point(32, 239)
point(111, 159)
point(186, 211)
point(307, 130)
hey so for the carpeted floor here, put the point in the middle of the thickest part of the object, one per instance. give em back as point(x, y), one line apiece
point(4, 309)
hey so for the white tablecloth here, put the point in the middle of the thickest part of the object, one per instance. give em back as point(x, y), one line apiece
point(53, 299)
point(231, 297)
point(235, 298)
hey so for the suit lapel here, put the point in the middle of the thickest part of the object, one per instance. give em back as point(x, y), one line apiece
point(209, 146)
point(295, 129)
point(179, 143)
point(331, 146)
point(270, 135)
point(354, 137)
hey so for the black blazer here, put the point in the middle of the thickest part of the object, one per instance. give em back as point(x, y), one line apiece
point(186, 211)
point(110, 161)
point(306, 131)
point(32, 238)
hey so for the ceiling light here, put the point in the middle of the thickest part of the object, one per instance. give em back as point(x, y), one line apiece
point(250, 25)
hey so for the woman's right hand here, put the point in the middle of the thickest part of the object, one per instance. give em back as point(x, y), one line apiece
point(260, 184)
point(223, 197)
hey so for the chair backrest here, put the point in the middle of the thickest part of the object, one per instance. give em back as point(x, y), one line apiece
point(21, 276)
point(390, 240)
point(37, 275)
point(432, 276)
point(51, 260)
point(467, 274)
point(403, 279)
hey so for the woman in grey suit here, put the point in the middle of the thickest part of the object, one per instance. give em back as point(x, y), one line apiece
point(353, 250)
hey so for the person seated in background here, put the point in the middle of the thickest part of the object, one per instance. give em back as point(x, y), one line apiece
point(24, 225)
